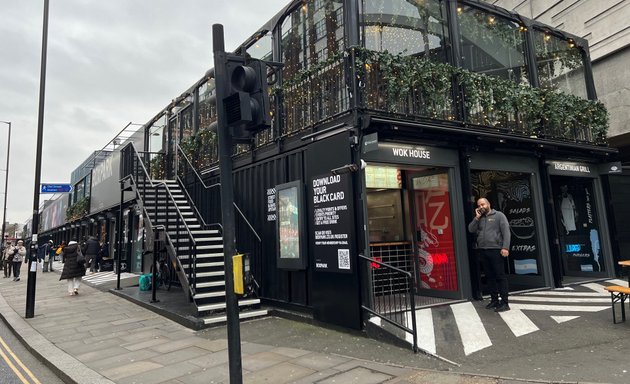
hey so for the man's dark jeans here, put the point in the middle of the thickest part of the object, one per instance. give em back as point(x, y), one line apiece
point(494, 267)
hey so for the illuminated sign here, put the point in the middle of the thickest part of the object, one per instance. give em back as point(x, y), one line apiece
point(573, 247)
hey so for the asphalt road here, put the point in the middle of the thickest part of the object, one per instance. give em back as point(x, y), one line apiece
point(18, 365)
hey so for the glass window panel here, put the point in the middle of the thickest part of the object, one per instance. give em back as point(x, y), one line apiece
point(511, 193)
point(576, 213)
point(310, 34)
point(410, 27)
point(560, 64)
point(261, 49)
point(492, 45)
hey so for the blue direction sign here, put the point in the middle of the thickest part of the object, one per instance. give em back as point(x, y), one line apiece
point(56, 188)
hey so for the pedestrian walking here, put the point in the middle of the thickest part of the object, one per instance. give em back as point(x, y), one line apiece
point(493, 244)
point(73, 268)
point(92, 248)
point(19, 252)
point(49, 256)
point(7, 259)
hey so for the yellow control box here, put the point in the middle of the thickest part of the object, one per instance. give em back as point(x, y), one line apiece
point(239, 280)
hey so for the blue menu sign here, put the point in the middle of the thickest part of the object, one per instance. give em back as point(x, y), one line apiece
point(56, 188)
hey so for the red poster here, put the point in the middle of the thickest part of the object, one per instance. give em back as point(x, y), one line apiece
point(436, 255)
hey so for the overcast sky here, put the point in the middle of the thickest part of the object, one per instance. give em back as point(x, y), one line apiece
point(109, 63)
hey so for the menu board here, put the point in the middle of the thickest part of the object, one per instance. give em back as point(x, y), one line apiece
point(514, 199)
point(332, 222)
point(382, 177)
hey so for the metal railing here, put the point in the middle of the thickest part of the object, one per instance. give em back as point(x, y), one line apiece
point(189, 178)
point(133, 169)
point(397, 305)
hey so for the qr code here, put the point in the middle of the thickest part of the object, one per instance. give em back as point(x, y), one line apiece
point(344, 258)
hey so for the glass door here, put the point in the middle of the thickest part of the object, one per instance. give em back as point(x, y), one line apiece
point(431, 218)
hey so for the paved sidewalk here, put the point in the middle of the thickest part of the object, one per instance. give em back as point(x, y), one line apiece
point(97, 337)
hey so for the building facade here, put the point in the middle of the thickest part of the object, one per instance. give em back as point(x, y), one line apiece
point(390, 118)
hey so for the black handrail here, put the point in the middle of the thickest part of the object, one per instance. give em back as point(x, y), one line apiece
point(208, 187)
point(138, 168)
point(394, 312)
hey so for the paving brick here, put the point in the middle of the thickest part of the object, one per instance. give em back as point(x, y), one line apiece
point(279, 373)
point(262, 360)
point(359, 375)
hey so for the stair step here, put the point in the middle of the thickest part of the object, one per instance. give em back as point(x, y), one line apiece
point(210, 265)
point(210, 284)
point(241, 303)
point(207, 232)
point(208, 295)
point(210, 274)
point(242, 315)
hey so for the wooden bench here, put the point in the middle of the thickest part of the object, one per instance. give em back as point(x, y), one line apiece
point(618, 294)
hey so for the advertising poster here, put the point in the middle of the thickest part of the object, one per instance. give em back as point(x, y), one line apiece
point(289, 223)
point(436, 254)
point(332, 222)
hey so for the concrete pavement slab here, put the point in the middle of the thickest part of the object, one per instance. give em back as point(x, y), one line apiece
point(98, 338)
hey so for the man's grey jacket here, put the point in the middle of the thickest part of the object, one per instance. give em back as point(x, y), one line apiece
point(492, 229)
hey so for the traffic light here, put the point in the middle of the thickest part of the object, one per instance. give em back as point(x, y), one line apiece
point(246, 102)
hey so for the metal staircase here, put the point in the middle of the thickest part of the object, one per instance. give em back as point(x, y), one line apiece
point(195, 247)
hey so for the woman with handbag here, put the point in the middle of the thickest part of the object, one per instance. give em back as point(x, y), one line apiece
point(19, 252)
point(74, 267)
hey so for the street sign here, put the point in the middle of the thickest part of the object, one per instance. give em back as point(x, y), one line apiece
point(56, 188)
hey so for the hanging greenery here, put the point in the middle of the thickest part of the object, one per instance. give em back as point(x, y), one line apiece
point(393, 80)
point(78, 210)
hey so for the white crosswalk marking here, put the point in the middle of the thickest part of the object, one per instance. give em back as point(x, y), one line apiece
point(563, 319)
point(564, 294)
point(426, 332)
point(98, 278)
point(471, 329)
point(559, 308)
point(561, 299)
point(596, 287)
point(518, 322)
point(623, 283)
point(526, 309)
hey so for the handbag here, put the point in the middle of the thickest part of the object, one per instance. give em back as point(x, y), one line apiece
point(80, 257)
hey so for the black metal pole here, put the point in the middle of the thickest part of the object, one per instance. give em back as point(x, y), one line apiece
point(119, 235)
point(6, 181)
point(32, 272)
point(227, 213)
point(155, 267)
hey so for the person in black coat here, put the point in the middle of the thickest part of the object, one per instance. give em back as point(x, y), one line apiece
point(92, 248)
point(73, 270)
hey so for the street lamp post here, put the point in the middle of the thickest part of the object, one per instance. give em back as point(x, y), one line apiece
point(6, 182)
point(31, 283)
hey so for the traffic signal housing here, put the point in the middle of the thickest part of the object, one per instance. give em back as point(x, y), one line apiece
point(246, 102)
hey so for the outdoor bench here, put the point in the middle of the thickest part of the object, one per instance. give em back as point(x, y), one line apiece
point(618, 294)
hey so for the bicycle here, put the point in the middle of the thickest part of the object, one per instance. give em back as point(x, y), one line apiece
point(165, 271)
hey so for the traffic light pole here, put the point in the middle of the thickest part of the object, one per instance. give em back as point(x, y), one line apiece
point(227, 202)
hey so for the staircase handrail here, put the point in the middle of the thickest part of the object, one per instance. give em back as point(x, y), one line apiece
point(152, 228)
point(214, 186)
point(409, 293)
point(181, 217)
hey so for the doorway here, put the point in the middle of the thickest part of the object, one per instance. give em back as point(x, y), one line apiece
point(431, 219)
point(410, 226)
point(578, 228)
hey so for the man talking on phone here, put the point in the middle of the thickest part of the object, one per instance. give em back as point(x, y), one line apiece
point(493, 244)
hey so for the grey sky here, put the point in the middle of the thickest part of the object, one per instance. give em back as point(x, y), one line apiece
point(109, 63)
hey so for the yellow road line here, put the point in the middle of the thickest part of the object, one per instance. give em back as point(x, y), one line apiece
point(19, 362)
